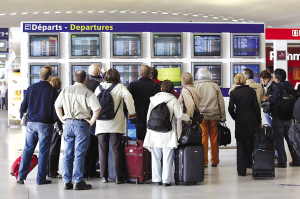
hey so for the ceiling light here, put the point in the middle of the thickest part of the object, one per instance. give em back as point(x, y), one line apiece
point(133, 12)
point(79, 12)
point(35, 13)
point(164, 13)
point(234, 20)
point(241, 19)
point(57, 12)
point(123, 12)
point(2, 14)
point(24, 13)
point(225, 19)
point(112, 11)
point(270, 26)
point(195, 15)
point(90, 12)
point(101, 11)
point(251, 21)
point(46, 12)
point(205, 16)
point(215, 17)
point(143, 12)
point(154, 12)
point(244, 22)
point(13, 13)
point(68, 12)
point(174, 13)
point(185, 14)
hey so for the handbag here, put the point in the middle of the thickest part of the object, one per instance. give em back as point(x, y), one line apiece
point(224, 135)
point(24, 120)
point(197, 116)
point(191, 134)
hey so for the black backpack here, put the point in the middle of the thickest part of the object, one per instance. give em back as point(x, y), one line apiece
point(159, 119)
point(107, 104)
point(284, 106)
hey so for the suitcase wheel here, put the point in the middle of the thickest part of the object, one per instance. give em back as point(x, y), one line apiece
point(254, 175)
point(273, 175)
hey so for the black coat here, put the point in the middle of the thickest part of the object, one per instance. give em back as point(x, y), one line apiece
point(141, 91)
point(244, 109)
point(93, 82)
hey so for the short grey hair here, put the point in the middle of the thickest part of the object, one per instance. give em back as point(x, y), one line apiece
point(203, 73)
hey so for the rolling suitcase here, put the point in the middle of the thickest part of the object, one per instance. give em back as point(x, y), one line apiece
point(263, 155)
point(16, 165)
point(189, 164)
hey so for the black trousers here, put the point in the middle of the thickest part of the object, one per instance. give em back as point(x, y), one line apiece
point(54, 154)
point(245, 147)
point(117, 150)
point(141, 130)
point(91, 157)
point(3, 102)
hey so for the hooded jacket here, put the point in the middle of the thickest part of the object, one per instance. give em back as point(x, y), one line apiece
point(167, 139)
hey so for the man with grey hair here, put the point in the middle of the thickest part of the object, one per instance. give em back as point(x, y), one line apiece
point(212, 106)
point(141, 91)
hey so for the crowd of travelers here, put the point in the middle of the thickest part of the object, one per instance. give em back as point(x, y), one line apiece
point(76, 113)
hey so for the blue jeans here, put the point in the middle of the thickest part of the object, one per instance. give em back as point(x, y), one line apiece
point(36, 132)
point(76, 140)
point(267, 119)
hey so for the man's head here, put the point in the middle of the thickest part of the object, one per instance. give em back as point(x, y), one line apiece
point(279, 75)
point(112, 76)
point(154, 73)
point(187, 79)
point(248, 73)
point(265, 76)
point(80, 76)
point(94, 70)
point(167, 86)
point(144, 71)
point(46, 73)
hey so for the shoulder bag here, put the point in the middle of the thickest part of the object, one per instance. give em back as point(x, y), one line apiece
point(224, 134)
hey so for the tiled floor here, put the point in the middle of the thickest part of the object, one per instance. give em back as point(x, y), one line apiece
point(220, 182)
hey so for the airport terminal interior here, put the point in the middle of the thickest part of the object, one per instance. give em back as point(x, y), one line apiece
point(173, 36)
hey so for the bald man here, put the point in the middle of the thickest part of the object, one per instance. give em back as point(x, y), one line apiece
point(141, 91)
point(92, 155)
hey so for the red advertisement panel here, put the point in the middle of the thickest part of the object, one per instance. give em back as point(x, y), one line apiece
point(282, 33)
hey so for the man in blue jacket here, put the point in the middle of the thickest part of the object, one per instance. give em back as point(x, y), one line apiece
point(39, 105)
point(281, 122)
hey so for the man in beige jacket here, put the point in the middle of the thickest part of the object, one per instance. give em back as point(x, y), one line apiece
point(248, 73)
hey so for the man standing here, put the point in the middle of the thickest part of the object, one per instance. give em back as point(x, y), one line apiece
point(77, 101)
point(282, 115)
point(92, 155)
point(39, 105)
point(141, 91)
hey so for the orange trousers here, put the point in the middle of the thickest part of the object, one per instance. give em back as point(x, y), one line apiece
point(210, 130)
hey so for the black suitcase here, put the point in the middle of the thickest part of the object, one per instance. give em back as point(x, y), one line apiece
point(263, 155)
point(189, 164)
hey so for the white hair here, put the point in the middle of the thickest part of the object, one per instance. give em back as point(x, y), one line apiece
point(203, 73)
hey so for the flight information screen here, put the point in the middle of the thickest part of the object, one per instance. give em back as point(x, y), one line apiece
point(167, 45)
point(239, 68)
point(85, 45)
point(215, 70)
point(169, 72)
point(246, 45)
point(128, 73)
point(43, 45)
point(207, 45)
point(127, 45)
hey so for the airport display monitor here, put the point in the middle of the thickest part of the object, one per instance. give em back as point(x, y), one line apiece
point(239, 68)
point(168, 70)
point(79, 66)
point(129, 72)
point(245, 45)
point(166, 45)
point(215, 69)
point(43, 45)
point(126, 45)
point(34, 71)
point(85, 45)
point(207, 45)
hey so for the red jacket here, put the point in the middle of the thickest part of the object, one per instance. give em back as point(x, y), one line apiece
point(173, 91)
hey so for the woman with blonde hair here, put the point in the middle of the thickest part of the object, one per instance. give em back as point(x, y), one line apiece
point(244, 110)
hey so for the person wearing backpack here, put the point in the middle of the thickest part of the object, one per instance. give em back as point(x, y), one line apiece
point(161, 137)
point(110, 124)
point(282, 105)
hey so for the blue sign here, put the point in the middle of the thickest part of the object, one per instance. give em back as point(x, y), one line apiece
point(144, 27)
point(4, 34)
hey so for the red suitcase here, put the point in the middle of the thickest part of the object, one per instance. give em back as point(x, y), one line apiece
point(16, 165)
point(138, 162)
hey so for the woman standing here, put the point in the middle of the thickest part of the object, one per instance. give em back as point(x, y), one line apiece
point(244, 109)
point(113, 129)
point(161, 144)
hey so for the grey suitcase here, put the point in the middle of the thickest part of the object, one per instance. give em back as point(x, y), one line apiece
point(189, 164)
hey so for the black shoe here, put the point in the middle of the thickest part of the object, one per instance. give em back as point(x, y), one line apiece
point(45, 182)
point(240, 174)
point(68, 186)
point(158, 183)
point(214, 165)
point(292, 164)
point(280, 165)
point(82, 186)
point(104, 179)
point(94, 174)
point(20, 181)
point(167, 184)
point(119, 180)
